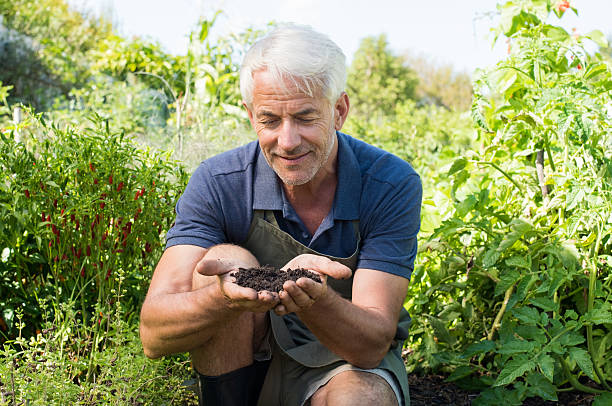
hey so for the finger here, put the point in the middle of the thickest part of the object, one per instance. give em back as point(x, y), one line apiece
point(313, 289)
point(287, 301)
point(280, 310)
point(298, 296)
point(325, 266)
point(211, 267)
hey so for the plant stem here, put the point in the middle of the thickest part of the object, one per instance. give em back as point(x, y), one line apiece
point(500, 314)
point(541, 176)
point(573, 381)
point(591, 301)
point(494, 165)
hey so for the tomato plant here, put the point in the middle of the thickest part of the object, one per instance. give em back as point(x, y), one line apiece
point(515, 292)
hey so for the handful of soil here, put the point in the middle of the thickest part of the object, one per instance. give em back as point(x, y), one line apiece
point(269, 278)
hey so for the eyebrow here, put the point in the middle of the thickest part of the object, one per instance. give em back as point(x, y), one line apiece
point(304, 112)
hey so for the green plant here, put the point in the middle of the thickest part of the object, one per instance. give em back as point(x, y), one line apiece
point(88, 362)
point(514, 288)
point(77, 206)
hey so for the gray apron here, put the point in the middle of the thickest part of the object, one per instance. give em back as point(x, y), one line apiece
point(272, 246)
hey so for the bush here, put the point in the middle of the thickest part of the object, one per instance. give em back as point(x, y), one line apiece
point(76, 207)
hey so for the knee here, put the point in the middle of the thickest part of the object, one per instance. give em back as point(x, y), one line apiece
point(355, 388)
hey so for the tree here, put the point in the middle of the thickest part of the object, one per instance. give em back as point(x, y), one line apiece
point(44, 48)
point(377, 79)
point(441, 84)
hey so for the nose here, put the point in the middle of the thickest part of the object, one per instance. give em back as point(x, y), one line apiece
point(289, 137)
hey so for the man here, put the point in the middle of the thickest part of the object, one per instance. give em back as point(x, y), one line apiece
point(304, 196)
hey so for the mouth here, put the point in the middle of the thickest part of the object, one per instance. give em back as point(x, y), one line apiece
point(292, 159)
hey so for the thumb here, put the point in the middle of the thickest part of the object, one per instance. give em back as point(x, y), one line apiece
point(330, 268)
point(338, 271)
point(212, 267)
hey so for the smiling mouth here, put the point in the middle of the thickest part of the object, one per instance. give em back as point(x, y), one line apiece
point(292, 159)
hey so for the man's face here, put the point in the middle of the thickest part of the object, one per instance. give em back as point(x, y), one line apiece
point(296, 132)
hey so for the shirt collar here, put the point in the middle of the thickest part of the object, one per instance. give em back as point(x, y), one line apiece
point(268, 194)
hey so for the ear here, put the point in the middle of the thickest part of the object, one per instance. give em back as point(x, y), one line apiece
point(341, 109)
point(249, 112)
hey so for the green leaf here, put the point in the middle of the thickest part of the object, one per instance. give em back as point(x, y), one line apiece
point(541, 386)
point(599, 315)
point(598, 37)
point(478, 348)
point(555, 33)
point(516, 346)
point(519, 262)
point(507, 279)
point(527, 315)
point(458, 373)
point(498, 396)
point(458, 165)
point(490, 258)
point(466, 205)
point(512, 370)
point(595, 69)
point(521, 226)
point(583, 360)
point(441, 330)
point(571, 338)
point(604, 399)
point(544, 303)
point(547, 366)
point(509, 240)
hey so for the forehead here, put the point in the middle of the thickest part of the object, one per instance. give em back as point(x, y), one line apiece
point(267, 89)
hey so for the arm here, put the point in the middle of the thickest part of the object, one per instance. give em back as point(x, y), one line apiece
point(360, 331)
point(183, 307)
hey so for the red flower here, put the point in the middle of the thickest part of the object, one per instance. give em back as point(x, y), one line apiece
point(564, 5)
point(92, 167)
point(119, 186)
point(96, 181)
point(88, 251)
point(27, 193)
point(102, 204)
point(110, 179)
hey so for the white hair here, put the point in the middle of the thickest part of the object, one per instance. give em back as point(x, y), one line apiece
point(296, 52)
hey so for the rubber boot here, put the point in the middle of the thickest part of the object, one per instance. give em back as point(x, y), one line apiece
point(236, 388)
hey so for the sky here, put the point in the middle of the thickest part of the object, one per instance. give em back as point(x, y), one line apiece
point(446, 31)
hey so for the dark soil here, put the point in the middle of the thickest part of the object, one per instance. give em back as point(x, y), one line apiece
point(433, 390)
point(270, 278)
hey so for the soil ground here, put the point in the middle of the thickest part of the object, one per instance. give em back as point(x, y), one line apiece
point(432, 390)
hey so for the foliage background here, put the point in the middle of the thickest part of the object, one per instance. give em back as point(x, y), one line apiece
point(511, 292)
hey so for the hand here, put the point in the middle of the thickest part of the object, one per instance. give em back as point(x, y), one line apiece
point(237, 297)
point(303, 293)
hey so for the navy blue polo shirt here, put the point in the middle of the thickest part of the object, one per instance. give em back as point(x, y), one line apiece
point(375, 187)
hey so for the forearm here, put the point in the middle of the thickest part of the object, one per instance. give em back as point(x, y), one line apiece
point(362, 336)
point(178, 322)
point(184, 307)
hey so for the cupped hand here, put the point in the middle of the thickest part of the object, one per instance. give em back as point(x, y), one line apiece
point(237, 297)
point(302, 294)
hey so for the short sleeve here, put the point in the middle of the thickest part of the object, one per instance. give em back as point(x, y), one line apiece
point(199, 215)
point(390, 237)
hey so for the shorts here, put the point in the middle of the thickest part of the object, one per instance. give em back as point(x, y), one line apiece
point(286, 381)
point(291, 383)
